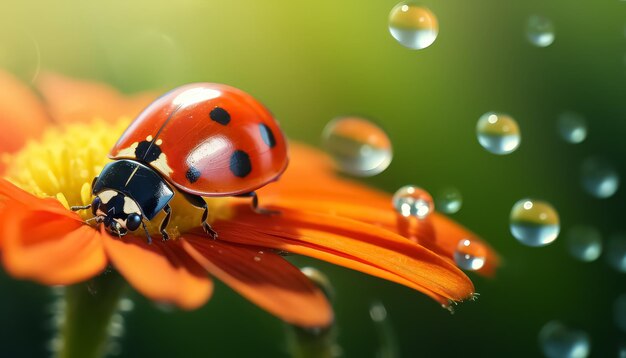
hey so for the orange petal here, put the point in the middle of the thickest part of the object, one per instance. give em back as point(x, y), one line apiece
point(49, 248)
point(264, 278)
point(11, 195)
point(350, 243)
point(161, 271)
point(71, 100)
point(22, 116)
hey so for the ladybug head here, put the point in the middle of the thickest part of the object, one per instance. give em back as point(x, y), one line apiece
point(119, 213)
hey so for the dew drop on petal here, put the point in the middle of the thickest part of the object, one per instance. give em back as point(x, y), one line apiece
point(470, 255)
point(540, 31)
point(413, 26)
point(358, 146)
point(616, 252)
point(449, 201)
point(599, 178)
point(572, 127)
point(413, 201)
point(534, 222)
point(320, 280)
point(560, 341)
point(498, 133)
point(584, 243)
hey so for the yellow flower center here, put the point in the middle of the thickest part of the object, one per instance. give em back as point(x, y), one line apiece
point(64, 161)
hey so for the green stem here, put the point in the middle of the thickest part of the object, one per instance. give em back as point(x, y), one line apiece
point(89, 308)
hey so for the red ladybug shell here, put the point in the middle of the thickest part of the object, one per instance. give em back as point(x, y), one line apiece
point(207, 139)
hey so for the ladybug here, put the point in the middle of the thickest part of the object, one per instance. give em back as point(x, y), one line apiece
point(199, 140)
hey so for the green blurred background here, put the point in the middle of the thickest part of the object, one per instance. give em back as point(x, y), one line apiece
point(311, 61)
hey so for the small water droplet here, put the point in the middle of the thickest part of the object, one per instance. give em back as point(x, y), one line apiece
point(320, 280)
point(616, 252)
point(572, 127)
point(413, 26)
point(358, 146)
point(413, 201)
point(584, 243)
point(560, 341)
point(498, 133)
point(470, 255)
point(449, 201)
point(534, 222)
point(540, 31)
point(599, 177)
point(126, 305)
point(378, 312)
point(619, 312)
point(257, 259)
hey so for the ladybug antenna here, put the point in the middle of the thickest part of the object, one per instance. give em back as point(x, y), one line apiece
point(98, 219)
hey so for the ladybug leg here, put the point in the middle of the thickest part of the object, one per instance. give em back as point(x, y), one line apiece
point(148, 237)
point(166, 220)
point(255, 204)
point(199, 203)
point(77, 208)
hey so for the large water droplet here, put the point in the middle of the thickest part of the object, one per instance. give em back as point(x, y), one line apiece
point(320, 280)
point(413, 201)
point(560, 341)
point(584, 243)
point(540, 31)
point(534, 222)
point(358, 146)
point(616, 252)
point(619, 312)
point(470, 255)
point(599, 177)
point(572, 127)
point(413, 26)
point(449, 200)
point(498, 133)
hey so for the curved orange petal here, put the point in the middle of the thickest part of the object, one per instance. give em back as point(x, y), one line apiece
point(161, 271)
point(349, 243)
point(47, 247)
point(71, 100)
point(264, 278)
point(310, 184)
point(22, 115)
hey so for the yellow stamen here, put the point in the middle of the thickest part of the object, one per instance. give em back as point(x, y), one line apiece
point(63, 163)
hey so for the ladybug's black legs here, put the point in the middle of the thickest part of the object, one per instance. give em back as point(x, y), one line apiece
point(199, 203)
point(166, 220)
point(148, 237)
point(255, 204)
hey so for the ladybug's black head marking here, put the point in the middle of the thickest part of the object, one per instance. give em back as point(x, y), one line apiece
point(118, 212)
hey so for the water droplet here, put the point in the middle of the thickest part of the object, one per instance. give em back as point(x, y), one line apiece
point(126, 305)
point(449, 200)
point(378, 312)
point(498, 133)
point(616, 252)
point(413, 26)
point(257, 259)
point(619, 312)
point(540, 31)
point(534, 222)
point(560, 341)
point(584, 243)
point(358, 146)
point(413, 201)
point(320, 280)
point(599, 177)
point(470, 255)
point(572, 127)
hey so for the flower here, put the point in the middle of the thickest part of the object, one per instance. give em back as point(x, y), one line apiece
point(321, 216)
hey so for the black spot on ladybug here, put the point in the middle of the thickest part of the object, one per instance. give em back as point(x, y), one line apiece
point(240, 164)
point(193, 174)
point(220, 115)
point(147, 152)
point(267, 135)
